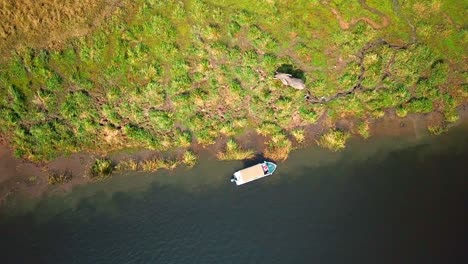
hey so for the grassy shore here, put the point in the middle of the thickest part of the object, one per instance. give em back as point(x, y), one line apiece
point(165, 75)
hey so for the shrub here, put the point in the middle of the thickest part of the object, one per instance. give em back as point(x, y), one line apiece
point(363, 129)
point(183, 139)
point(450, 111)
point(127, 165)
point(58, 177)
point(437, 130)
point(334, 140)
point(101, 169)
point(189, 158)
point(451, 115)
point(234, 152)
point(278, 147)
point(299, 135)
point(159, 163)
point(401, 111)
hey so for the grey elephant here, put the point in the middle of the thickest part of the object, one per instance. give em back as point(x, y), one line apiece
point(287, 79)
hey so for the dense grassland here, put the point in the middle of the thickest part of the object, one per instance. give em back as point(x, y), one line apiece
point(166, 75)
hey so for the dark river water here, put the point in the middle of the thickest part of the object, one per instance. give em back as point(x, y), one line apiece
point(392, 200)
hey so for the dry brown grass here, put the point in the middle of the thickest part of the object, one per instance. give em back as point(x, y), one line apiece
point(48, 23)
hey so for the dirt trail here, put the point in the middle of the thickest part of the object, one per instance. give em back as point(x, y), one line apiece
point(346, 25)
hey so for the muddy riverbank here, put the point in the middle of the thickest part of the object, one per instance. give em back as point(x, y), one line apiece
point(19, 177)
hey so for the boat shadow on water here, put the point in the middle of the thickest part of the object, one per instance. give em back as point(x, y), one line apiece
point(258, 158)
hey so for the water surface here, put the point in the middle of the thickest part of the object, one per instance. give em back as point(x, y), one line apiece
point(387, 200)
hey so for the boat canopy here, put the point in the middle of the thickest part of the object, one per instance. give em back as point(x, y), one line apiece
point(255, 172)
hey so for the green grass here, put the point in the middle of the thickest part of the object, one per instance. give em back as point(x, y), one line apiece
point(163, 75)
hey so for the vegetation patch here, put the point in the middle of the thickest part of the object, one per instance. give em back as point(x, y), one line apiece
point(364, 129)
point(101, 169)
point(437, 130)
point(55, 177)
point(278, 147)
point(158, 163)
point(299, 135)
point(334, 140)
point(127, 165)
point(234, 152)
point(189, 158)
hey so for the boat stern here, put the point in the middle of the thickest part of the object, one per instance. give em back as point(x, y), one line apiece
point(236, 178)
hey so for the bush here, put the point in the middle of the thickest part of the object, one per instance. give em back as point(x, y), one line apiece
point(234, 152)
point(159, 163)
point(189, 158)
point(278, 147)
point(450, 110)
point(437, 130)
point(127, 165)
point(334, 140)
point(101, 169)
point(401, 111)
point(183, 139)
point(299, 135)
point(58, 177)
point(363, 129)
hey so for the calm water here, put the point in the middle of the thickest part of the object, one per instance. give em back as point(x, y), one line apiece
point(381, 201)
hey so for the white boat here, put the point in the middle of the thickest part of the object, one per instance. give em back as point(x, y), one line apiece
point(254, 172)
